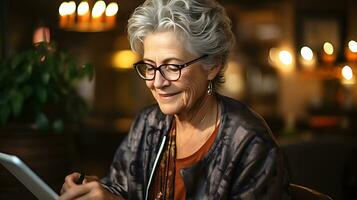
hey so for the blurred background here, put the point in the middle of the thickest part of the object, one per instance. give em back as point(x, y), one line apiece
point(294, 62)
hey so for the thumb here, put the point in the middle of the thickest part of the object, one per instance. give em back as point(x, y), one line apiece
point(89, 179)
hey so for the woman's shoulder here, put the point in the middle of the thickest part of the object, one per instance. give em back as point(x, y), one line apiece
point(244, 123)
point(240, 112)
point(149, 120)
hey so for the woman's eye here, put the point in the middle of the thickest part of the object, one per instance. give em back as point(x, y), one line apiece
point(150, 70)
point(172, 68)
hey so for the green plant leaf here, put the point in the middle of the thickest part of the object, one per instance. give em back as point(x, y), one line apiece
point(58, 126)
point(16, 60)
point(29, 69)
point(26, 91)
point(41, 94)
point(4, 114)
point(17, 101)
point(46, 78)
point(88, 71)
point(42, 121)
point(22, 77)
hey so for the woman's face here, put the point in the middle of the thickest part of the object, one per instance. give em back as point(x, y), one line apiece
point(174, 97)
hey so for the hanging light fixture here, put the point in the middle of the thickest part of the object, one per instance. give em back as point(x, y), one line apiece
point(100, 18)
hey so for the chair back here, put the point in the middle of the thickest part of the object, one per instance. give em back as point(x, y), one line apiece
point(299, 192)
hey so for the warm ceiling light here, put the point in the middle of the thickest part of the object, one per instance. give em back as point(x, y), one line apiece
point(347, 72)
point(328, 48)
point(272, 55)
point(111, 9)
point(63, 9)
point(83, 8)
point(87, 19)
point(306, 53)
point(98, 9)
point(71, 7)
point(352, 45)
point(124, 59)
point(285, 57)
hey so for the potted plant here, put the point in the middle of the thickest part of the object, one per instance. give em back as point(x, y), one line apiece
point(37, 87)
point(38, 95)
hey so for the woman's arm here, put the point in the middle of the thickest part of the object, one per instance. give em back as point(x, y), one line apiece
point(90, 189)
point(117, 179)
point(262, 174)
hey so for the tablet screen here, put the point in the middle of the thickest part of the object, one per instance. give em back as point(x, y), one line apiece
point(27, 177)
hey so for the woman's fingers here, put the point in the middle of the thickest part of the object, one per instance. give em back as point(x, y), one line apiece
point(88, 179)
point(96, 192)
point(75, 192)
point(91, 189)
point(88, 191)
point(69, 181)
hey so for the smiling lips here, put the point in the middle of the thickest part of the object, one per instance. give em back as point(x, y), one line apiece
point(165, 96)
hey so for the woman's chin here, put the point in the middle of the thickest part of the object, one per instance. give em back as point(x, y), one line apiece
point(168, 109)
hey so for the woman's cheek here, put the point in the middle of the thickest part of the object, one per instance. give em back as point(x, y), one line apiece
point(190, 95)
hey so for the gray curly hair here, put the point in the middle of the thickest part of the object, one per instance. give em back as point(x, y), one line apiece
point(202, 24)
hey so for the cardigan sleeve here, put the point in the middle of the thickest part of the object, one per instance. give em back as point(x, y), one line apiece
point(261, 174)
point(118, 178)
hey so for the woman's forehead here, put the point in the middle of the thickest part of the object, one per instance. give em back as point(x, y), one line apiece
point(164, 44)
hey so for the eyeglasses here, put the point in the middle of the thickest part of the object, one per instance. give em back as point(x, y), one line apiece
point(171, 72)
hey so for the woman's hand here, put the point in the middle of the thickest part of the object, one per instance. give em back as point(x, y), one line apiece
point(88, 190)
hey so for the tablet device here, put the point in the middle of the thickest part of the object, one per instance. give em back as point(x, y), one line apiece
point(27, 177)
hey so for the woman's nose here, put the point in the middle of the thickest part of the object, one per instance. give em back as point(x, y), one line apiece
point(159, 80)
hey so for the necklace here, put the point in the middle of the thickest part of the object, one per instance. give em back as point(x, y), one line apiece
point(164, 179)
point(165, 176)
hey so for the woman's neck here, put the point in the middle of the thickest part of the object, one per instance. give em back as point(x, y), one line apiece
point(201, 116)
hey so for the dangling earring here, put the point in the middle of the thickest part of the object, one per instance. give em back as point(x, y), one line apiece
point(210, 88)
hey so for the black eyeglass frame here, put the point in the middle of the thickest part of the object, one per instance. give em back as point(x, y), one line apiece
point(180, 67)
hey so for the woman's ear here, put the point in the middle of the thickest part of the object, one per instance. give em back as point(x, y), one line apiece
point(213, 72)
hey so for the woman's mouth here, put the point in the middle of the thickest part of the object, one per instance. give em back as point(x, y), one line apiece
point(167, 95)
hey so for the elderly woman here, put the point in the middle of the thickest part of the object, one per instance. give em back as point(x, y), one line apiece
point(194, 143)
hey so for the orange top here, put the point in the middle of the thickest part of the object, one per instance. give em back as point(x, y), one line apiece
point(180, 190)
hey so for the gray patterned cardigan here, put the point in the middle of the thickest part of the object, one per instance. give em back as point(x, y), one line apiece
point(244, 161)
